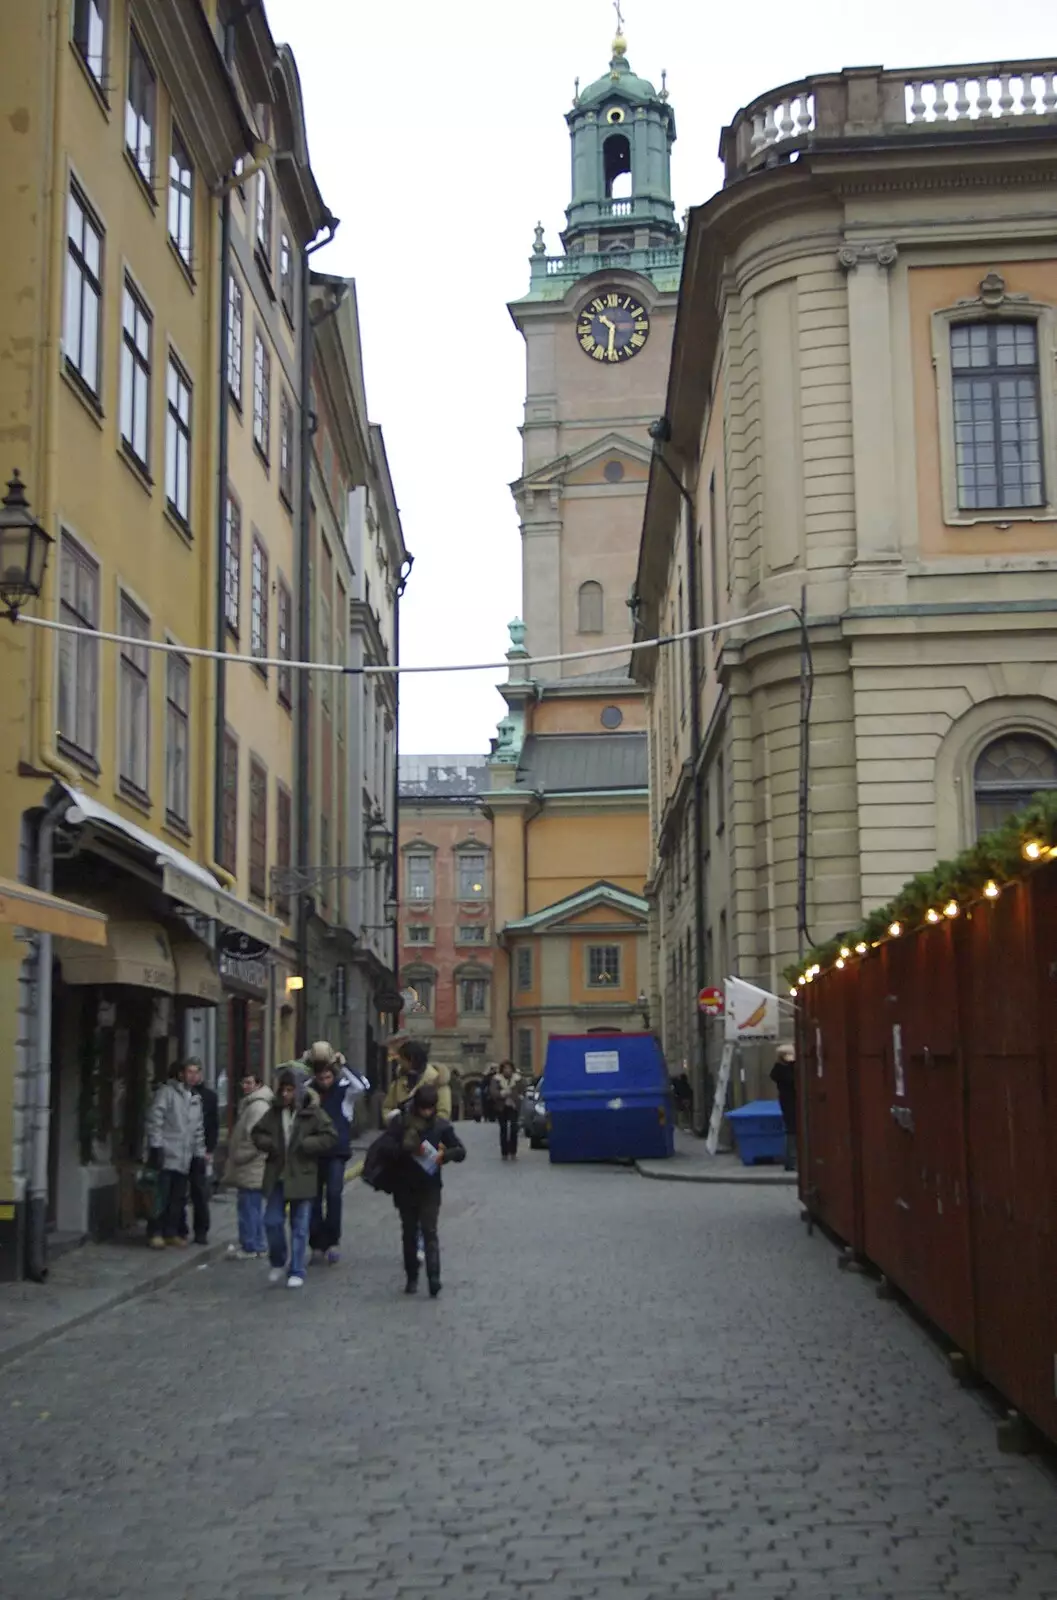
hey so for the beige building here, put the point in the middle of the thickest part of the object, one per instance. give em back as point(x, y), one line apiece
point(862, 409)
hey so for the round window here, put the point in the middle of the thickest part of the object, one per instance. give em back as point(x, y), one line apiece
point(613, 471)
point(612, 717)
point(615, 114)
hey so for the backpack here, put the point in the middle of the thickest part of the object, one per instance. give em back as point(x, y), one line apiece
point(380, 1161)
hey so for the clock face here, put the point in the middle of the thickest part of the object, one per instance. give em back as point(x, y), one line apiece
point(613, 326)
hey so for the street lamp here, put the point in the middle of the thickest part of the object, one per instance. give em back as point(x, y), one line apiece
point(23, 549)
point(379, 838)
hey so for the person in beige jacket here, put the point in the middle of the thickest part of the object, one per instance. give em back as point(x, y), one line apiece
point(245, 1169)
point(413, 1072)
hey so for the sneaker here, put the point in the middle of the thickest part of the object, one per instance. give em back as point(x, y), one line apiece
point(411, 1286)
point(233, 1252)
point(261, 1255)
point(277, 1275)
point(294, 1282)
point(333, 1257)
point(242, 1255)
point(201, 1241)
point(156, 1243)
point(177, 1243)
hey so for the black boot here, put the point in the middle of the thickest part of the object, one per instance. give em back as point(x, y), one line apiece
point(434, 1288)
point(411, 1286)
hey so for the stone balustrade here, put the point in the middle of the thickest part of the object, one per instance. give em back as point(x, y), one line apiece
point(868, 102)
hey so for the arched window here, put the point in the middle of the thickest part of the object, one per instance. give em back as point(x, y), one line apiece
point(590, 609)
point(1008, 772)
point(616, 154)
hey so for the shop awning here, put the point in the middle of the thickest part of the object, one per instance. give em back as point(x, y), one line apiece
point(137, 954)
point(23, 907)
point(197, 977)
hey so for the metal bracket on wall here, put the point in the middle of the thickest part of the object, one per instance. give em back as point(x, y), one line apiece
point(304, 880)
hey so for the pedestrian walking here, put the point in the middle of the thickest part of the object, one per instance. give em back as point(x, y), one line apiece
point(429, 1143)
point(488, 1109)
point(783, 1076)
point(245, 1170)
point(507, 1090)
point(414, 1070)
point(174, 1139)
point(683, 1096)
point(338, 1088)
point(292, 1137)
point(200, 1178)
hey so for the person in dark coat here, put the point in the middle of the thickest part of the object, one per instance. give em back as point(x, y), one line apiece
point(783, 1076)
point(427, 1146)
point(201, 1175)
point(292, 1137)
point(338, 1088)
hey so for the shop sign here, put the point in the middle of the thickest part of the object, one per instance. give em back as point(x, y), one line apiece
point(244, 973)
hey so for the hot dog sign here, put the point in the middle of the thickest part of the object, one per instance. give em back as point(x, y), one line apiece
point(751, 1013)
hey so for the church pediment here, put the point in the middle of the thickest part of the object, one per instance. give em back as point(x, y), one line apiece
point(602, 904)
point(587, 466)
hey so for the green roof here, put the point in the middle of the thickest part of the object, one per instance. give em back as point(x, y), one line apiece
point(619, 80)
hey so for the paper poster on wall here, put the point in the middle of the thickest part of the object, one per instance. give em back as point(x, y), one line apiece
point(602, 1061)
point(897, 1058)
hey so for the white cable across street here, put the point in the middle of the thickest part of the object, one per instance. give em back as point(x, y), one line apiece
point(374, 671)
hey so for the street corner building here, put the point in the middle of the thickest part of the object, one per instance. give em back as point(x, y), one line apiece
point(157, 356)
point(860, 420)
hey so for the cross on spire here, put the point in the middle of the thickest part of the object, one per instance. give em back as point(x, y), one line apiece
point(620, 16)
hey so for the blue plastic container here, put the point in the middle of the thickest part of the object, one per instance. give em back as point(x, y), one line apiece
point(759, 1131)
point(608, 1098)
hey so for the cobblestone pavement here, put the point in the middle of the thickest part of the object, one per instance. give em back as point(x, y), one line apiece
point(626, 1390)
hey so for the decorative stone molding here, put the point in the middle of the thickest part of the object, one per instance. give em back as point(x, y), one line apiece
point(994, 295)
point(849, 256)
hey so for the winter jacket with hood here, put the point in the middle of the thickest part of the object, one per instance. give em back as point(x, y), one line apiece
point(174, 1126)
point(339, 1102)
point(245, 1165)
point(507, 1091)
point(405, 1083)
point(294, 1165)
point(407, 1175)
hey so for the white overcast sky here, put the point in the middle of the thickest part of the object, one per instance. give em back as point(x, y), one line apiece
point(437, 134)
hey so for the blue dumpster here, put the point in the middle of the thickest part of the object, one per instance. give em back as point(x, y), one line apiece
point(759, 1131)
point(608, 1098)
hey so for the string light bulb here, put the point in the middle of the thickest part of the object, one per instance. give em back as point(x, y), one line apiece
point(1032, 850)
point(792, 993)
point(895, 929)
point(802, 979)
point(991, 889)
point(951, 909)
point(860, 948)
point(844, 952)
point(840, 961)
point(932, 915)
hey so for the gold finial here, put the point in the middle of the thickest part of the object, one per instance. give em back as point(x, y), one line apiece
point(620, 44)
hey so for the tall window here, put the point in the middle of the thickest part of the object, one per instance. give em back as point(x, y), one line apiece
point(232, 562)
point(78, 718)
point(284, 630)
point(603, 966)
point(422, 985)
point(229, 814)
point(258, 599)
point(590, 608)
point(472, 879)
point(341, 712)
point(324, 647)
point(473, 996)
point(283, 837)
point(134, 699)
point(262, 395)
point(524, 967)
point(1008, 773)
point(286, 448)
point(178, 441)
point(997, 415)
point(89, 35)
point(286, 274)
point(84, 290)
point(258, 830)
point(713, 552)
point(420, 877)
point(264, 221)
point(324, 856)
point(181, 197)
point(524, 1049)
point(235, 340)
point(140, 110)
point(721, 795)
point(177, 739)
point(135, 375)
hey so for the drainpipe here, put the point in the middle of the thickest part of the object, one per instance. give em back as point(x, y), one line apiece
point(40, 1083)
point(220, 640)
point(661, 433)
point(304, 628)
point(394, 864)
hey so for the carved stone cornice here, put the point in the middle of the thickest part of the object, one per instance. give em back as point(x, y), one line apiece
point(885, 254)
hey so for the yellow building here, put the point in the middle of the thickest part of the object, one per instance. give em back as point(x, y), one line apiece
point(123, 123)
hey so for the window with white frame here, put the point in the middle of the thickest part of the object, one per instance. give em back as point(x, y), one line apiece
point(134, 401)
point(472, 875)
point(603, 966)
point(420, 877)
point(471, 933)
point(1011, 769)
point(419, 933)
point(284, 614)
point(286, 274)
point(140, 104)
point(264, 221)
point(235, 340)
point(258, 599)
point(134, 698)
point(232, 562)
point(420, 982)
point(997, 414)
point(181, 197)
point(90, 19)
point(178, 441)
point(82, 300)
point(177, 739)
point(473, 996)
point(286, 448)
point(262, 395)
point(78, 667)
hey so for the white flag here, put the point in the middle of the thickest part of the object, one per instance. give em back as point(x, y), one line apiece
point(751, 1013)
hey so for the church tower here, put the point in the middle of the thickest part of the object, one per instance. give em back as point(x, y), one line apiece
point(597, 323)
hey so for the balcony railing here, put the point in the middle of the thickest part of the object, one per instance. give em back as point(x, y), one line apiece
point(547, 269)
point(868, 103)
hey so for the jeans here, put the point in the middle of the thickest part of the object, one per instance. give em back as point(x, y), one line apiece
point(275, 1227)
point(172, 1197)
point(252, 1237)
point(508, 1120)
point(419, 1208)
point(325, 1233)
point(198, 1182)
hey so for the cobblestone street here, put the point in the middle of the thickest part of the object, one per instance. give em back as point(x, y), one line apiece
point(627, 1389)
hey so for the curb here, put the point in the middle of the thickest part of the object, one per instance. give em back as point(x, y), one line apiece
point(213, 1252)
point(785, 1181)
